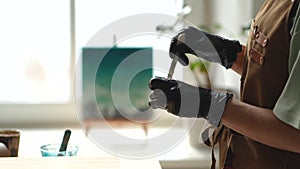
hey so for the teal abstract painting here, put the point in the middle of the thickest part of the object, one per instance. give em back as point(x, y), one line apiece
point(115, 82)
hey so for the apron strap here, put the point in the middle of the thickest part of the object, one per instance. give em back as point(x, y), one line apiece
point(213, 158)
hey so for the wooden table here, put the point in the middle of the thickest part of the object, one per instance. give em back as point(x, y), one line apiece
point(76, 163)
point(89, 156)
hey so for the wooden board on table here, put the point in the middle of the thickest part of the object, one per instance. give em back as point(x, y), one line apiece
point(60, 163)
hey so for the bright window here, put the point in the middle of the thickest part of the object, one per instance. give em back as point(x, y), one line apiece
point(35, 52)
point(38, 50)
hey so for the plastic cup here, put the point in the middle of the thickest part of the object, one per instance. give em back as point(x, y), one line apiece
point(52, 150)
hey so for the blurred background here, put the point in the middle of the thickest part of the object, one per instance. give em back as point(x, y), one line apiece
point(42, 40)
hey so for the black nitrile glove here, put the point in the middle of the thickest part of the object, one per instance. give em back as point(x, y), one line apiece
point(204, 45)
point(185, 100)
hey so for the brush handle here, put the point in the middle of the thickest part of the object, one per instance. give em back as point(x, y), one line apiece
point(172, 68)
point(64, 143)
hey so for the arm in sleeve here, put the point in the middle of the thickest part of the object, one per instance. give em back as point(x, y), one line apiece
point(287, 108)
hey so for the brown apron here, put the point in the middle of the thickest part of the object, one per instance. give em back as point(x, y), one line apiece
point(264, 76)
